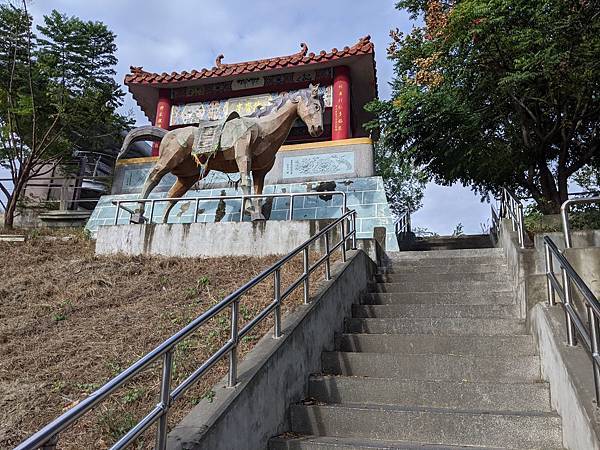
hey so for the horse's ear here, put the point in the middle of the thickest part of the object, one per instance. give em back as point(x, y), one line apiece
point(314, 90)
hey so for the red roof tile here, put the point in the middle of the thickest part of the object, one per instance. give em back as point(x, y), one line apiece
point(139, 76)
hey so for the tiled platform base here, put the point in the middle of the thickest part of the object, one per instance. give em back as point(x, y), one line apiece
point(365, 195)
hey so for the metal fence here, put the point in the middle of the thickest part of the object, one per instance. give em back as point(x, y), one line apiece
point(50, 433)
point(575, 324)
point(120, 204)
point(402, 225)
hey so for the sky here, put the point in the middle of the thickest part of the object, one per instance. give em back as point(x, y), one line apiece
point(176, 35)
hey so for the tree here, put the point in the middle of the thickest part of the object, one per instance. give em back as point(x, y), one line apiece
point(57, 94)
point(497, 93)
point(404, 184)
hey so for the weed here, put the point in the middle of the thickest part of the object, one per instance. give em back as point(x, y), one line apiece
point(209, 396)
point(133, 395)
point(203, 281)
point(117, 423)
point(87, 388)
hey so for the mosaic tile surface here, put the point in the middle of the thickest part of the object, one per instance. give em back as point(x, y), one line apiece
point(365, 195)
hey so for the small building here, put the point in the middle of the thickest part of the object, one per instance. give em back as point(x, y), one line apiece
point(340, 159)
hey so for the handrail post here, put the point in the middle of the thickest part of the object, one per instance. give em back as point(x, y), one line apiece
point(152, 203)
point(117, 212)
point(520, 224)
point(232, 376)
point(549, 273)
point(353, 218)
point(291, 207)
point(571, 338)
point(242, 208)
point(564, 215)
point(343, 246)
point(595, 355)
point(277, 289)
point(327, 262)
point(165, 400)
point(197, 206)
point(306, 275)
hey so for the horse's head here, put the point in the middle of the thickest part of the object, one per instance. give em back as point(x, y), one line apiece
point(311, 109)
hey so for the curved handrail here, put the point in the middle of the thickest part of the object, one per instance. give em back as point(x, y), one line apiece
point(564, 214)
point(49, 433)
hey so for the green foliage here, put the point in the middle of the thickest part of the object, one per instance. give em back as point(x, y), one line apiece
point(497, 93)
point(404, 184)
point(57, 93)
point(581, 217)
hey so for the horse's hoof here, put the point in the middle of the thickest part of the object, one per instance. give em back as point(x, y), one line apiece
point(257, 215)
point(137, 218)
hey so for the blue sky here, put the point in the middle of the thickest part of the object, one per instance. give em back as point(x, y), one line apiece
point(183, 35)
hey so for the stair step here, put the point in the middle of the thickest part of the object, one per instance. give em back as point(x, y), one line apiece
point(446, 427)
point(435, 259)
point(402, 268)
point(458, 253)
point(435, 394)
point(467, 368)
point(312, 442)
point(463, 277)
point(517, 345)
point(429, 310)
point(440, 286)
point(438, 326)
point(447, 298)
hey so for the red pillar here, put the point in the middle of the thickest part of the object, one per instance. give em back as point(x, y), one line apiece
point(340, 127)
point(163, 115)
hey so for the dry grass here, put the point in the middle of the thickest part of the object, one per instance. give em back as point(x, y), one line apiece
point(69, 321)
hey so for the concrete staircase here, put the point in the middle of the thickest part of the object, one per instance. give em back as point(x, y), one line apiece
point(436, 357)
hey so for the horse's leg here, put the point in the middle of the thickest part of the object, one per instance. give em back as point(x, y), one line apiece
point(243, 159)
point(152, 180)
point(258, 178)
point(181, 186)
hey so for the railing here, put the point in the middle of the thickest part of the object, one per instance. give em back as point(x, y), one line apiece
point(495, 227)
point(512, 209)
point(564, 213)
point(244, 197)
point(590, 337)
point(402, 225)
point(49, 434)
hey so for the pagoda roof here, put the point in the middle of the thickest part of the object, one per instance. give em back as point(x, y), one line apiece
point(138, 76)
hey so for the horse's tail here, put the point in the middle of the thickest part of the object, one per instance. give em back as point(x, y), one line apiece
point(146, 133)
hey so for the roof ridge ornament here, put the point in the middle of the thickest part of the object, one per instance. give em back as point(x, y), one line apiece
point(219, 60)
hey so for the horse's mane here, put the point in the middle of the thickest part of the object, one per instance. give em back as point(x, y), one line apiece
point(278, 103)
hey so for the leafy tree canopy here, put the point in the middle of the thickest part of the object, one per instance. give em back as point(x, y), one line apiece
point(57, 93)
point(497, 93)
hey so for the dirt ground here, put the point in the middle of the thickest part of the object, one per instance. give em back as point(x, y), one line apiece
point(69, 321)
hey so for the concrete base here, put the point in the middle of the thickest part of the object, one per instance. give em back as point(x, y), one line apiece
point(569, 372)
point(273, 375)
point(260, 238)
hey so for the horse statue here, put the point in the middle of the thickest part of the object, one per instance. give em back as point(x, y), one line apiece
point(241, 144)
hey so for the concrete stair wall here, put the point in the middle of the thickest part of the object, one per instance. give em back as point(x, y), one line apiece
point(435, 357)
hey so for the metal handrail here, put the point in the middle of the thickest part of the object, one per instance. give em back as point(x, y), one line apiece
point(402, 224)
point(575, 324)
point(564, 214)
point(512, 208)
point(49, 434)
point(120, 203)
